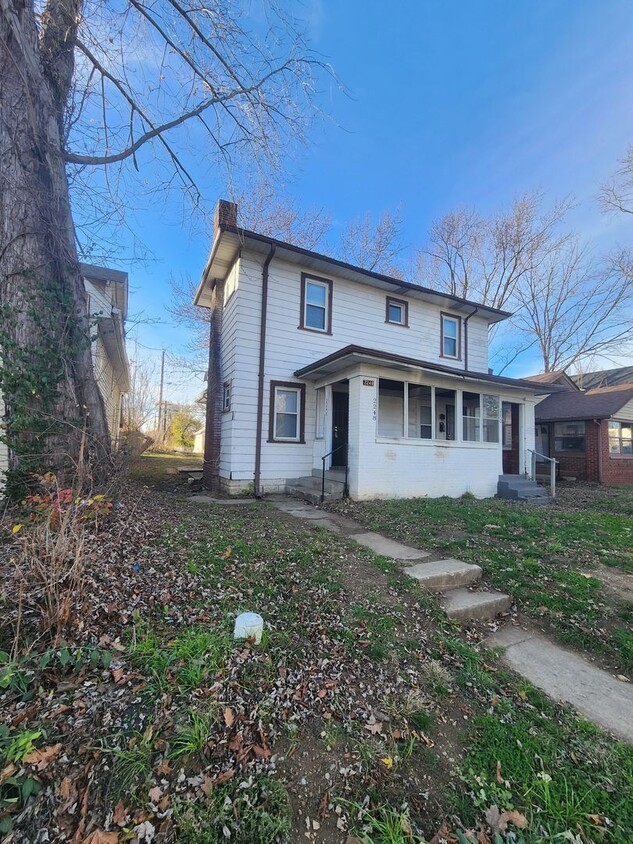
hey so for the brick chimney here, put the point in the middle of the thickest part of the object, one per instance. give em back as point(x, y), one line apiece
point(225, 215)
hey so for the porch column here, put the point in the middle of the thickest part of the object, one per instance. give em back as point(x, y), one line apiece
point(363, 413)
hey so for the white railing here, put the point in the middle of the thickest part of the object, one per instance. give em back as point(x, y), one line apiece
point(552, 469)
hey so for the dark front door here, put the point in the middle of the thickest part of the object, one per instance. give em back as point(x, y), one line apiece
point(340, 427)
point(510, 413)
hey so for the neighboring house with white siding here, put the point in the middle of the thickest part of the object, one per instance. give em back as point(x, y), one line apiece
point(314, 361)
point(107, 302)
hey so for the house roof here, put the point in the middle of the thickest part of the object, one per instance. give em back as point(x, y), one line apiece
point(594, 404)
point(605, 378)
point(554, 378)
point(230, 240)
point(119, 294)
point(351, 355)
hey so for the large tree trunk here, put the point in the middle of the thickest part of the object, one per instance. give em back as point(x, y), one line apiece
point(54, 407)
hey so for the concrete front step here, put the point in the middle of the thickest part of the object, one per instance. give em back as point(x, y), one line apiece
point(311, 495)
point(465, 605)
point(310, 482)
point(443, 575)
point(337, 475)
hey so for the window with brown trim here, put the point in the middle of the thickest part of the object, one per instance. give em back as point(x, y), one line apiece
point(451, 336)
point(397, 311)
point(286, 421)
point(316, 304)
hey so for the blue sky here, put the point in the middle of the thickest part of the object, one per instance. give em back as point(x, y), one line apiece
point(447, 102)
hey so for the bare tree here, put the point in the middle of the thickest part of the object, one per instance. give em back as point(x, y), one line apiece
point(374, 246)
point(99, 85)
point(485, 258)
point(140, 402)
point(617, 192)
point(263, 209)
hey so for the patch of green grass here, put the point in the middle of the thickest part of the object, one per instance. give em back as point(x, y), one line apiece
point(192, 738)
point(132, 764)
point(383, 824)
point(254, 811)
point(541, 556)
point(190, 660)
point(561, 772)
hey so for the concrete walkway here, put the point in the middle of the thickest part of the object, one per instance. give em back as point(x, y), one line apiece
point(430, 570)
point(563, 675)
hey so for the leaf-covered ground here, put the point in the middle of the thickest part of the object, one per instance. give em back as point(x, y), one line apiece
point(362, 716)
point(568, 566)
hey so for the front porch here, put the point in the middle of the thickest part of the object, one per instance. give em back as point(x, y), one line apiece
point(406, 429)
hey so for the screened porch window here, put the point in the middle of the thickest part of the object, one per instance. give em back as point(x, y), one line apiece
point(390, 408)
point(420, 422)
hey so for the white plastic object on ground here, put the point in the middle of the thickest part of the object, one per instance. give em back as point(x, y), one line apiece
point(249, 625)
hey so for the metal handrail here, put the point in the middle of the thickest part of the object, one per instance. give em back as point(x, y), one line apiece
point(323, 459)
point(553, 463)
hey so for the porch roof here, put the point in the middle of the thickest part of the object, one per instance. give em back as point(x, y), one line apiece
point(353, 355)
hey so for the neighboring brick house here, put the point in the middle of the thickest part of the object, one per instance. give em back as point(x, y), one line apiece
point(107, 300)
point(590, 433)
point(312, 358)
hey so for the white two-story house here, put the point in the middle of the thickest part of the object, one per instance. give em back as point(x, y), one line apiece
point(316, 363)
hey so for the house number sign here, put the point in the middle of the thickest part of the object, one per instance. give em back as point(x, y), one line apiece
point(367, 382)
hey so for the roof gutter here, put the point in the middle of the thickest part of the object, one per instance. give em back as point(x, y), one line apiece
point(260, 374)
point(466, 337)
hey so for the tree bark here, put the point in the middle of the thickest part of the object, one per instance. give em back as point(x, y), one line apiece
point(45, 321)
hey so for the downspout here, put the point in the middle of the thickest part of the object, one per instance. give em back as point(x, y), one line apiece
point(466, 338)
point(260, 375)
point(598, 422)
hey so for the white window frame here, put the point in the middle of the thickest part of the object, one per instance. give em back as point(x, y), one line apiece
point(286, 387)
point(618, 437)
point(325, 284)
point(456, 321)
point(226, 396)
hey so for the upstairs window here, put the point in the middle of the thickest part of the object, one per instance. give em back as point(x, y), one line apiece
point(397, 311)
point(316, 304)
point(451, 340)
point(621, 438)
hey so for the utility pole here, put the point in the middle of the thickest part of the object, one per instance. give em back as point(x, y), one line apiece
point(159, 427)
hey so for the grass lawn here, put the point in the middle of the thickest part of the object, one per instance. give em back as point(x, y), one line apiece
point(363, 716)
point(563, 564)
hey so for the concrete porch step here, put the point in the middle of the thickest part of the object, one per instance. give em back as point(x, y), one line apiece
point(442, 575)
point(520, 488)
point(465, 605)
point(309, 488)
point(310, 482)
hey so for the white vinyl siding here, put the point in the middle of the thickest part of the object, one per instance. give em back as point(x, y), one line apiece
point(358, 317)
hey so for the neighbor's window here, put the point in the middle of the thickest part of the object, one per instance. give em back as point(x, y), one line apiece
point(226, 396)
point(569, 436)
point(397, 311)
point(316, 304)
point(286, 412)
point(621, 438)
point(420, 421)
point(390, 408)
point(450, 336)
